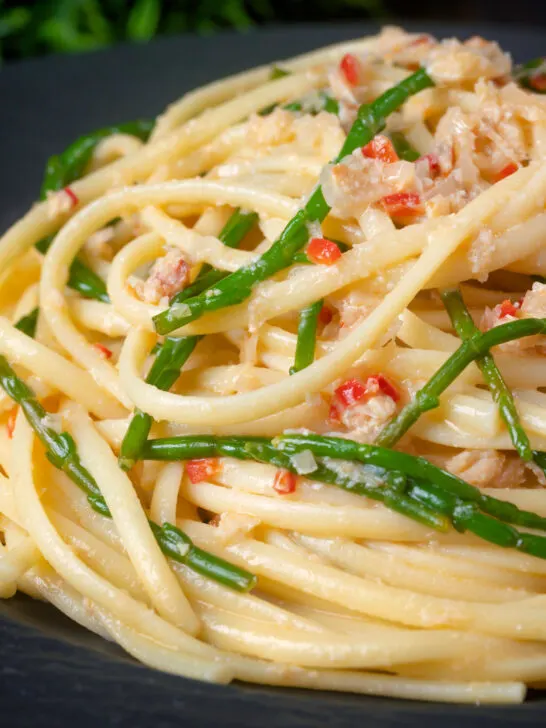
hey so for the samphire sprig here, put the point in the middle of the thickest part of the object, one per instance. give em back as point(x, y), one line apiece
point(62, 453)
point(237, 287)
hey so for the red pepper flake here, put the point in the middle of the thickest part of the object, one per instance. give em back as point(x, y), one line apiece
point(350, 392)
point(104, 351)
point(202, 469)
point(73, 198)
point(507, 171)
point(381, 148)
point(350, 68)
point(433, 162)
point(285, 482)
point(326, 315)
point(10, 424)
point(403, 204)
point(507, 308)
point(538, 82)
point(323, 251)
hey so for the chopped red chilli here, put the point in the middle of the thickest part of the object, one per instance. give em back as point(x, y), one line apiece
point(350, 68)
point(326, 315)
point(322, 251)
point(73, 197)
point(538, 82)
point(403, 204)
point(202, 469)
point(350, 392)
point(507, 171)
point(104, 351)
point(507, 308)
point(285, 482)
point(381, 148)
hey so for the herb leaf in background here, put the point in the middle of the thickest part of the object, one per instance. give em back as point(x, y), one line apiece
point(71, 26)
point(143, 20)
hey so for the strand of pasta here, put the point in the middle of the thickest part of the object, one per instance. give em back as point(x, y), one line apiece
point(239, 408)
point(36, 223)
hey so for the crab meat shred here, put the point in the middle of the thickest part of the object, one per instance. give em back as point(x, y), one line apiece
point(169, 275)
point(534, 302)
point(321, 134)
point(533, 305)
point(359, 181)
point(487, 469)
point(365, 421)
point(452, 62)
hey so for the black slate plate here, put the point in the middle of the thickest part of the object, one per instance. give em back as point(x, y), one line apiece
point(53, 673)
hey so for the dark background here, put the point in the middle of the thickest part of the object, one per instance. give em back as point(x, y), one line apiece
point(68, 26)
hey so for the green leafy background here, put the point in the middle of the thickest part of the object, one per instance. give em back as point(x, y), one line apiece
point(72, 26)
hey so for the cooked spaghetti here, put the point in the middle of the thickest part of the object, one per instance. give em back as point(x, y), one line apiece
point(273, 401)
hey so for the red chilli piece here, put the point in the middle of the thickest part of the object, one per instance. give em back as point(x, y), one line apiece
point(505, 309)
point(350, 68)
point(377, 383)
point(350, 392)
point(326, 315)
point(403, 204)
point(73, 197)
point(323, 251)
point(10, 424)
point(202, 469)
point(507, 171)
point(104, 351)
point(381, 148)
point(538, 82)
point(285, 482)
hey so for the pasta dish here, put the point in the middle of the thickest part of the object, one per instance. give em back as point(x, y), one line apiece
point(273, 377)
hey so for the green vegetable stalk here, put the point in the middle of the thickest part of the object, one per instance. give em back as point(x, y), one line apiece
point(174, 352)
point(307, 336)
point(237, 287)
point(502, 396)
point(61, 452)
point(474, 347)
point(67, 167)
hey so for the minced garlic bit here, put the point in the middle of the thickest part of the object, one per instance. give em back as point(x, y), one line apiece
point(304, 462)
